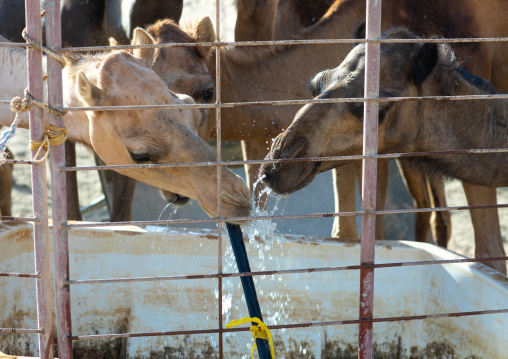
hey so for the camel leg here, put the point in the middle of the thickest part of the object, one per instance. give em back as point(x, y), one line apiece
point(345, 198)
point(416, 184)
point(6, 186)
point(255, 150)
point(487, 233)
point(441, 222)
point(123, 196)
point(382, 188)
point(73, 210)
point(344, 189)
point(119, 199)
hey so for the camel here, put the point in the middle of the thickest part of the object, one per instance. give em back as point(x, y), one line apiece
point(406, 70)
point(481, 59)
point(136, 136)
point(86, 23)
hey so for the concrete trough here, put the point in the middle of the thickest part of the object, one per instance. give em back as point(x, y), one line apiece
point(174, 305)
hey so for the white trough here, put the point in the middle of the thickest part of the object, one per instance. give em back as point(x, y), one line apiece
point(290, 298)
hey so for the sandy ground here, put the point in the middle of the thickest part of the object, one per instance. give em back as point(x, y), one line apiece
point(462, 233)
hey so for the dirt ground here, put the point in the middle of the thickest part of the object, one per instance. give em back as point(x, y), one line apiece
point(462, 233)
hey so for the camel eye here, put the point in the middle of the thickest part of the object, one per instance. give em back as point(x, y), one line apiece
point(205, 96)
point(140, 157)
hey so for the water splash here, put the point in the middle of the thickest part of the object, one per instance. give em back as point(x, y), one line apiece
point(262, 238)
point(158, 229)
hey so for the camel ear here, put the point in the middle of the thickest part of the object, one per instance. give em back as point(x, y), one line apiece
point(204, 32)
point(360, 32)
point(425, 62)
point(141, 37)
point(113, 42)
point(90, 93)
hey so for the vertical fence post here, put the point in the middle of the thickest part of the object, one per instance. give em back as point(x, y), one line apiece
point(39, 191)
point(368, 223)
point(58, 186)
point(219, 169)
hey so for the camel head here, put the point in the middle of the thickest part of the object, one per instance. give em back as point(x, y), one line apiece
point(155, 136)
point(183, 69)
point(336, 129)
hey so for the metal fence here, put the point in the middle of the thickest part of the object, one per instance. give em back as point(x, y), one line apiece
point(63, 282)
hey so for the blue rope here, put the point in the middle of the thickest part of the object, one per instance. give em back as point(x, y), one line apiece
point(7, 135)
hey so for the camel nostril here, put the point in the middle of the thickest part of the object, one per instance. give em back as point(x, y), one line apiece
point(297, 147)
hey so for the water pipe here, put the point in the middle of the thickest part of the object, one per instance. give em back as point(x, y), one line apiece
point(242, 262)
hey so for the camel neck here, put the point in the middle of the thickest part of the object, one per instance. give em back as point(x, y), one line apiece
point(468, 124)
point(280, 73)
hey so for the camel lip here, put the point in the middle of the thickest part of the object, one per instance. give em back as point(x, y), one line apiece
point(276, 177)
point(229, 210)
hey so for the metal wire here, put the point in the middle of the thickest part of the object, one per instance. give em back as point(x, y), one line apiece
point(289, 326)
point(283, 271)
point(296, 216)
point(22, 330)
point(267, 43)
point(20, 275)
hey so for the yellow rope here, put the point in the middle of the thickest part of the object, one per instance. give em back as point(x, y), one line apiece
point(49, 139)
point(260, 331)
point(19, 106)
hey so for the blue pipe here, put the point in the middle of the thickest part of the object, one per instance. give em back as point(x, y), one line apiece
point(242, 262)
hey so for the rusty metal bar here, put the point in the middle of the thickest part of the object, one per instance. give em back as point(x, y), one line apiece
point(499, 96)
point(218, 126)
point(39, 191)
point(22, 330)
point(283, 271)
point(291, 326)
point(308, 159)
point(369, 178)
point(58, 187)
point(275, 42)
point(20, 275)
point(296, 216)
point(21, 219)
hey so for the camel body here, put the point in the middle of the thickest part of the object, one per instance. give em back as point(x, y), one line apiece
point(406, 70)
point(137, 136)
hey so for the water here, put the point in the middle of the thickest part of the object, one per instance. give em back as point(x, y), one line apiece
point(262, 238)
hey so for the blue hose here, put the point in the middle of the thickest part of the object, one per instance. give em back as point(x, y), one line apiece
point(242, 262)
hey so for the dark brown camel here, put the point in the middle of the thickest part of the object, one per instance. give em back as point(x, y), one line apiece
point(321, 130)
point(466, 19)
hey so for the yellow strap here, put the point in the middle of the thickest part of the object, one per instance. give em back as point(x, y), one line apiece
point(49, 139)
point(260, 331)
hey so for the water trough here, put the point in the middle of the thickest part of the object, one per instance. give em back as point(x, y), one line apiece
point(172, 305)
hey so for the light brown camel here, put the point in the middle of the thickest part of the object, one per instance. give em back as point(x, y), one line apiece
point(407, 70)
point(465, 19)
point(145, 135)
